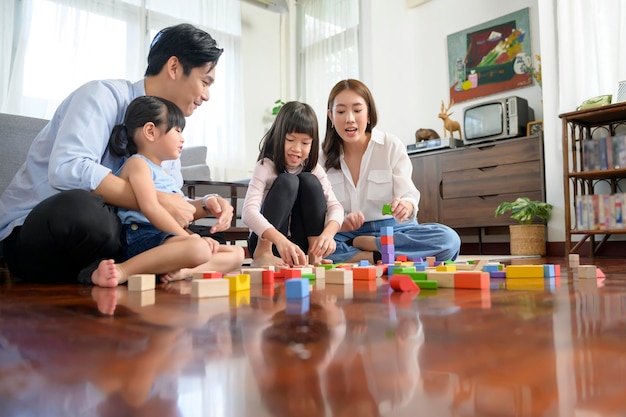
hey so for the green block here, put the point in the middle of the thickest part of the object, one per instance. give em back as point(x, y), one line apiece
point(404, 270)
point(425, 284)
point(311, 277)
point(387, 209)
point(417, 275)
point(327, 266)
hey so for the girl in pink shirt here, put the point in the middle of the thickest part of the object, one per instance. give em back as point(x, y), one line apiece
point(290, 207)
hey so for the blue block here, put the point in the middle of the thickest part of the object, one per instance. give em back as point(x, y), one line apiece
point(386, 231)
point(491, 268)
point(364, 262)
point(298, 306)
point(297, 288)
point(548, 271)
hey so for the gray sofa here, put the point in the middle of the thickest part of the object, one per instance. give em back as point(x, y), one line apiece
point(16, 135)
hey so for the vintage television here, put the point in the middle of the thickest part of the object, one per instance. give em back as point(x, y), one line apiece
point(496, 119)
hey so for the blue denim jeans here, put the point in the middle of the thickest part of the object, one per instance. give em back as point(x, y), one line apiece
point(410, 239)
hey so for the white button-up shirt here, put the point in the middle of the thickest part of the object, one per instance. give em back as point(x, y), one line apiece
point(386, 173)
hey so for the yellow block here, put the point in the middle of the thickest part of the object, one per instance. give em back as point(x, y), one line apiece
point(446, 268)
point(524, 271)
point(239, 282)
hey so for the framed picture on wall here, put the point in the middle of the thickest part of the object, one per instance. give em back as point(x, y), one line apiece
point(490, 58)
point(534, 128)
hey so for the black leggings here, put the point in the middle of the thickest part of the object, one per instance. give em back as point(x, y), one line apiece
point(294, 204)
point(62, 235)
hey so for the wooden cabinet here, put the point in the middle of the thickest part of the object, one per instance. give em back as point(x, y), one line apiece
point(462, 187)
point(580, 180)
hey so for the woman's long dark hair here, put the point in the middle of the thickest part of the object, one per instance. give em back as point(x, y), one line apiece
point(293, 117)
point(332, 142)
point(140, 111)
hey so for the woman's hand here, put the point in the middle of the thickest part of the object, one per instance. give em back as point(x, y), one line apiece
point(352, 221)
point(401, 209)
point(322, 246)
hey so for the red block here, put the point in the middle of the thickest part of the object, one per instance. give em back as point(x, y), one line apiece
point(472, 280)
point(291, 273)
point(386, 240)
point(211, 275)
point(401, 282)
point(267, 277)
point(402, 258)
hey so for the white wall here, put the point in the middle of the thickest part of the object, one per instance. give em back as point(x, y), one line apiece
point(405, 66)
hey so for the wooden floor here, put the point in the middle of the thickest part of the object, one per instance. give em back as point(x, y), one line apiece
point(548, 348)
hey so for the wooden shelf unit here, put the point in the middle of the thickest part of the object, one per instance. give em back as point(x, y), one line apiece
point(579, 126)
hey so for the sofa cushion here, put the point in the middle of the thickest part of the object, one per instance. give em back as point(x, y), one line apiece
point(16, 135)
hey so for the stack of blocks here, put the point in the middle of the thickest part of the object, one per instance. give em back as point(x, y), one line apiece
point(387, 245)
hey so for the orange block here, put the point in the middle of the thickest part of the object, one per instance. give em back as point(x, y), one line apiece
point(364, 273)
point(402, 258)
point(472, 280)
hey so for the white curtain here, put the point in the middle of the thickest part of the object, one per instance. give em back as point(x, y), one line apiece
point(328, 32)
point(589, 38)
point(54, 46)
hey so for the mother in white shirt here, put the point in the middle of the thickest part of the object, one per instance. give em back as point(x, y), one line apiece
point(368, 169)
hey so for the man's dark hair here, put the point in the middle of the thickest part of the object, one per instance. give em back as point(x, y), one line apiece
point(192, 46)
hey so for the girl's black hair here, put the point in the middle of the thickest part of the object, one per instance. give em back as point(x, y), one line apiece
point(293, 117)
point(140, 111)
point(192, 46)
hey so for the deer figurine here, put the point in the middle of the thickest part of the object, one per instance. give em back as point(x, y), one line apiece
point(449, 125)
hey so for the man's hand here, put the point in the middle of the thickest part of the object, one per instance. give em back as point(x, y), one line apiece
point(223, 212)
point(182, 211)
point(352, 221)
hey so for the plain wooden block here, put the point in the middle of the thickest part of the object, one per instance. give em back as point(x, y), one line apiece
point(141, 298)
point(339, 276)
point(444, 279)
point(203, 288)
point(320, 272)
point(141, 282)
point(256, 274)
point(587, 271)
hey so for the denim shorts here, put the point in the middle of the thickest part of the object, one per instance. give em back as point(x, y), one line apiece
point(140, 237)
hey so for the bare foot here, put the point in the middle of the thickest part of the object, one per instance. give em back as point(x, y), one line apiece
point(107, 274)
point(106, 299)
point(265, 259)
point(179, 275)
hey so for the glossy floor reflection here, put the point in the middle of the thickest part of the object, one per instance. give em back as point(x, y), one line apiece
point(545, 349)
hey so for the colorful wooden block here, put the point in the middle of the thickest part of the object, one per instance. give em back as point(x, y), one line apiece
point(239, 298)
point(425, 284)
point(290, 273)
point(207, 275)
point(471, 280)
point(141, 282)
point(387, 209)
point(524, 271)
point(204, 288)
point(297, 288)
point(364, 273)
point(401, 282)
point(386, 240)
point(239, 282)
point(446, 268)
point(267, 277)
point(386, 231)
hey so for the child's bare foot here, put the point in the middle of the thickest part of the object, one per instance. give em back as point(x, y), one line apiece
point(179, 275)
point(265, 259)
point(106, 275)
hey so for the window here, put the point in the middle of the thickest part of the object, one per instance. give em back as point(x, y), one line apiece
point(61, 44)
point(328, 32)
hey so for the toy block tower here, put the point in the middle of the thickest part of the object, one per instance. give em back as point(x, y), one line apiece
point(387, 245)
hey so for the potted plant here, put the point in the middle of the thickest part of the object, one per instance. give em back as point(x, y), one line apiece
point(527, 238)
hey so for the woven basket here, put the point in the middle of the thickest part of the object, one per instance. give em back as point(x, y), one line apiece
point(528, 239)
